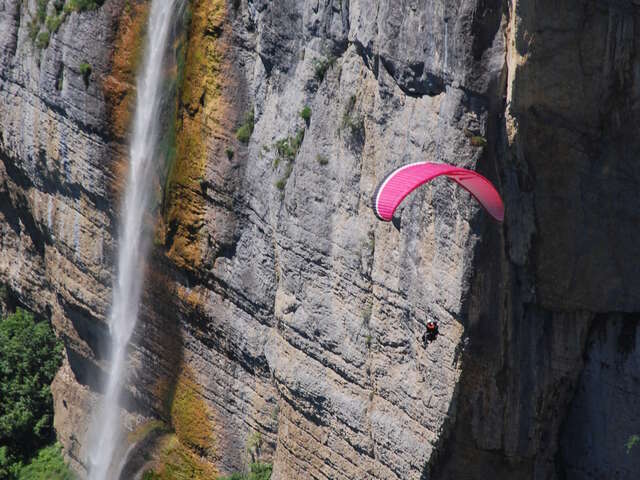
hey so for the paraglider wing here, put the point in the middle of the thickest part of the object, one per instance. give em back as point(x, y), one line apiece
point(404, 180)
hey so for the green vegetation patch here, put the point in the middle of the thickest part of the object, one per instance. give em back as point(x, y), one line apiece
point(351, 121)
point(257, 471)
point(85, 70)
point(47, 465)
point(178, 462)
point(243, 134)
point(42, 40)
point(305, 114)
point(478, 141)
point(287, 150)
point(41, 10)
point(51, 23)
point(82, 5)
point(321, 66)
point(30, 356)
point(54, 21)
point(190, 415)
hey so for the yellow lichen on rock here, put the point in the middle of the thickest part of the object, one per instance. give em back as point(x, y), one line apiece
point(199, 118)
point(186, 452)
point(173, 461)
point(119, 85)
point(190, 415)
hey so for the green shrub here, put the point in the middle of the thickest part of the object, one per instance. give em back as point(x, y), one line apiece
point(257, 471)
point(280, 184)
point(54, 21)
point(321, 66)
point(42, 40)
point(229, 152)
point(254, 445)
point(296, 143)
point(305, 113)
point(352, 122)
point(284, 149)
point(633, 440)
point(9, 466)
point(85, 68)
point(41, 10)
point(33, 28)
point(322, 160)
point(478, 141)
point(82, 5)
point(243, 134)
point(85, 71)
point(287, 148)
point(30, 356)
point(47, 465)
point(150, 475)
point(260, 471)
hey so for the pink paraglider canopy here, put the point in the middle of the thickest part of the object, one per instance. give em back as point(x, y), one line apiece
point(404, 180)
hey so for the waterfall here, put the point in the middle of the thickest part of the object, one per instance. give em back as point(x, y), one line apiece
point(105, 433)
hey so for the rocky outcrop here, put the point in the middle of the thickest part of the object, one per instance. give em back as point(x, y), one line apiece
point(296, 314)
point(535, 318)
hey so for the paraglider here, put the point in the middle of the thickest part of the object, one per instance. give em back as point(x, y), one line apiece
point(395, 187)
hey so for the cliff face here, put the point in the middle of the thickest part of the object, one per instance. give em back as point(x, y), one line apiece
point(56, 177)
point(276, 302)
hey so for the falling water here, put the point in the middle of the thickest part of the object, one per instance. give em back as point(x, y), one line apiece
point(105, 432)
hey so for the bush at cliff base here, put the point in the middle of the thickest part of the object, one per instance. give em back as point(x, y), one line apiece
point(257, 471)
point(47, 465)
point(30, 355)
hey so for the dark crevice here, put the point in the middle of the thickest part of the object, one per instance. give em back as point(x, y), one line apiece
point(413, 80)
point(85, 371)
point(627, 337)
point(94, 332)
point(227, 250)
point(50, 181)
point(314, 411)
point(20, 220)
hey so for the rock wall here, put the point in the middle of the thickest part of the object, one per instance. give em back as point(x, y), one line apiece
point(528, 403)
point(275, 296)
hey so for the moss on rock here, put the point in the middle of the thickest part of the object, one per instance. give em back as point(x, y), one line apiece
point(199, 117)
point(190, 415)
point(185, 452)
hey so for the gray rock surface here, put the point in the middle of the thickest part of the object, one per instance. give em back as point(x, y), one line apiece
point(303, 319)
point(604, 415)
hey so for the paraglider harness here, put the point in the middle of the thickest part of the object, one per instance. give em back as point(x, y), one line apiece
point(431, 333)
